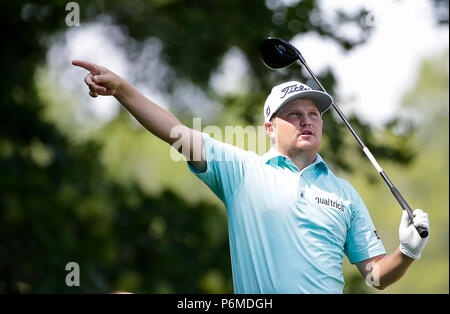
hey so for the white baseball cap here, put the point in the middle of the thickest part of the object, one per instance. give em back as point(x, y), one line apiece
point(288, 91)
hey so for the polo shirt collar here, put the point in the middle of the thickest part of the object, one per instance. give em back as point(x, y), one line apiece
point(273, 157)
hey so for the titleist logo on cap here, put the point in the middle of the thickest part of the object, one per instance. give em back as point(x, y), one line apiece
point(292, 89)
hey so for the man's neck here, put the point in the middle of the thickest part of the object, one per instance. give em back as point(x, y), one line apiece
point(301, 159)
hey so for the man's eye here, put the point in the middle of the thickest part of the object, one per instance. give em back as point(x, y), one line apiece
point(292, 114)
point(314, 114)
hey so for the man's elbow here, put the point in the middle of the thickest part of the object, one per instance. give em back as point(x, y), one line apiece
point(377, 284)
point(379, 287)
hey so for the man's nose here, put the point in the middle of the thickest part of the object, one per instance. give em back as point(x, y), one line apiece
point(305, 120)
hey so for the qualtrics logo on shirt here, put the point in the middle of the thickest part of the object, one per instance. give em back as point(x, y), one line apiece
point(330, 202)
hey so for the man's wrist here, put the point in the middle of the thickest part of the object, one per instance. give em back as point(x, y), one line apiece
point(122, 90)
point(407, 255)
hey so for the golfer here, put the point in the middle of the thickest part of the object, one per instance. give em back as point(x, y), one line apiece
point(290, 219)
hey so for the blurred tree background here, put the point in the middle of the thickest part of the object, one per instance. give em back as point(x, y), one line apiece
point(75, 187)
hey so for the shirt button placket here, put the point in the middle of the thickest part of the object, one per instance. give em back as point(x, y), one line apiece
point(301, 190)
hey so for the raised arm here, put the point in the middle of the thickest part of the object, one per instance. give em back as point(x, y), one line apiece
point(155, 119)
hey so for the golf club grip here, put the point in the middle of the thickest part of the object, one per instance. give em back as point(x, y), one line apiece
point(421, 230)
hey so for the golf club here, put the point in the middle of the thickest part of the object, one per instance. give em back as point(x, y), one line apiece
point(276, 54)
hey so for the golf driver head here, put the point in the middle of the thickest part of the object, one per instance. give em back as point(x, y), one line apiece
point(277, 53)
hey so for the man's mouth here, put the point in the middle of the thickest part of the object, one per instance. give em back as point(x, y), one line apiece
point(306, 132)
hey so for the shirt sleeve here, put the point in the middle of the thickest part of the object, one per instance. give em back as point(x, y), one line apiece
point(225, 167)
point(362, 239)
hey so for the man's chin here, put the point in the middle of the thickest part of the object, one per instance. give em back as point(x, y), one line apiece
point(306, 145)
point(303, 147)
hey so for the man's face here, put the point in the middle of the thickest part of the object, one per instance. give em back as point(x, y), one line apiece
point(297, 126)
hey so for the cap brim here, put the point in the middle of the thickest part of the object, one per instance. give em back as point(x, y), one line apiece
point(322, 100)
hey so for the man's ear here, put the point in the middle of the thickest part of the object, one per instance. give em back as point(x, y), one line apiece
point(269, 128)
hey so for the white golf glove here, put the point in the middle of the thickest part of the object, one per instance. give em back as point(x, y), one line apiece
point(411, 244)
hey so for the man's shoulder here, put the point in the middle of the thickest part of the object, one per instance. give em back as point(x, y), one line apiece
point(229, 151)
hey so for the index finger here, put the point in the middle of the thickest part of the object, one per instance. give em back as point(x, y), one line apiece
point(93, 68)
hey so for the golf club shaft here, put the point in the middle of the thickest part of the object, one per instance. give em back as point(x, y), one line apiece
point(422, 231)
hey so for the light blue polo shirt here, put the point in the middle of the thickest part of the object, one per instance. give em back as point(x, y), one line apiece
point(288, 229)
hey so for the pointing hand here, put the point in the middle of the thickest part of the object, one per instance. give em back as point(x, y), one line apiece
point(100, 80)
